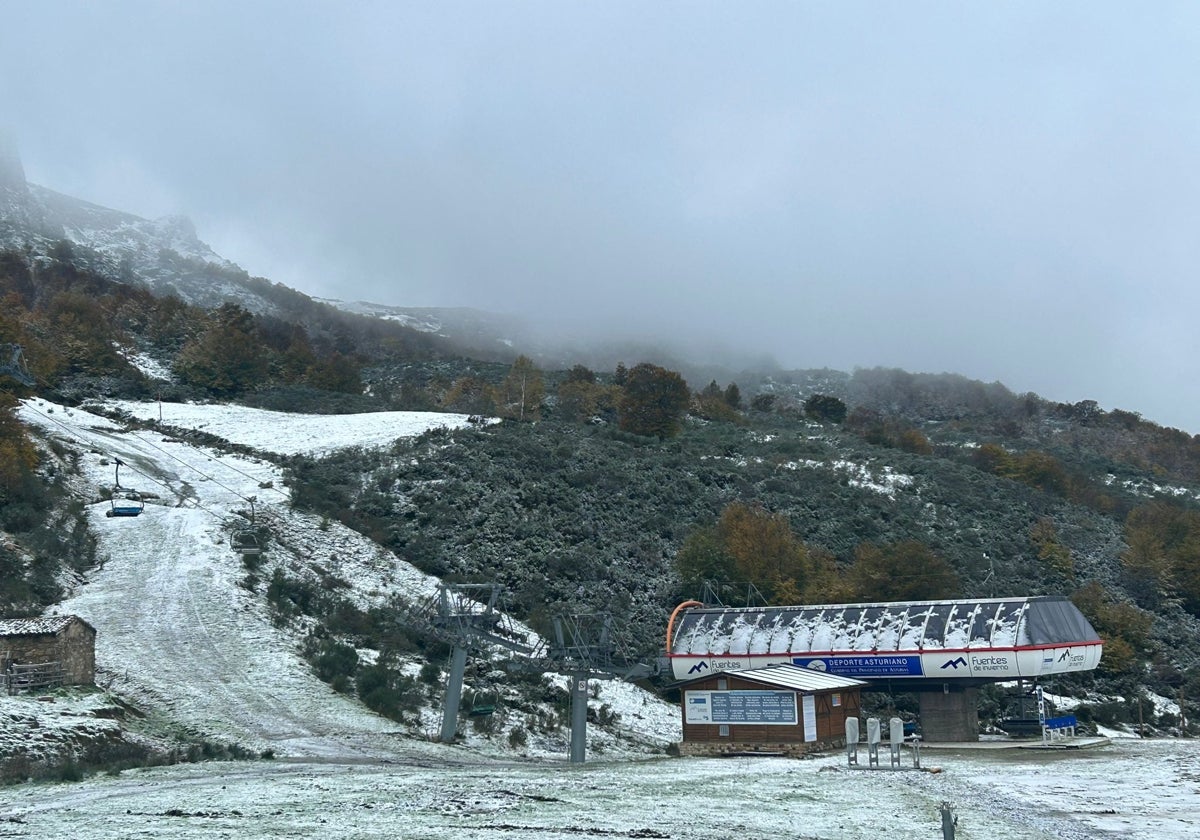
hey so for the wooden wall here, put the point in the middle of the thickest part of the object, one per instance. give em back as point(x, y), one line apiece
point(831, 719)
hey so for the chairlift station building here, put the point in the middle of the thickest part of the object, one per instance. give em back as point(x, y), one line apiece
point(942, 650)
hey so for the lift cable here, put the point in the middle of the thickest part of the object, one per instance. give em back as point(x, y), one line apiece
point(183, 499)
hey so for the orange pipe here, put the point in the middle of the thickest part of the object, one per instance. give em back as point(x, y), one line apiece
point(671, 622)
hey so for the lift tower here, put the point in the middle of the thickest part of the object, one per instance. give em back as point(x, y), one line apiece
point(465, 616)
point(584, 649)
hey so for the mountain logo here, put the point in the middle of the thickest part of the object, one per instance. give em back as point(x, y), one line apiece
point(954, 663)
point(1066, 653)
point(698, 667)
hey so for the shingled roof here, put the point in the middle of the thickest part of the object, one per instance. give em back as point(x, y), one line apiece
point(46, 625)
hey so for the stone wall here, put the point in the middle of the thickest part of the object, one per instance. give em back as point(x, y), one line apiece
point(73, 645)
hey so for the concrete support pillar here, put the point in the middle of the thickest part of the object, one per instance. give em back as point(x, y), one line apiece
point(579, 706)
point(949, 715)
point(454, 684)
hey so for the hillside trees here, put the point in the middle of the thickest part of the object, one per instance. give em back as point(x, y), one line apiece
point(825, 409)
point(18, 457)
point(1124, 628)
point(520, 395)
point(470, 395)
point(751, 545)
point(1163, 559)
point(581, 397)
point(903, 571)
point(234, 353)
point(715, 404)
point(653, 401)
point(226, 358)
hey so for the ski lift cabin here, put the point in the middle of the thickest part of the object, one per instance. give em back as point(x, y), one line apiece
point(125, 500)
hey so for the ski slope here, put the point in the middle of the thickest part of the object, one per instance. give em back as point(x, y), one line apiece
point(175, 630)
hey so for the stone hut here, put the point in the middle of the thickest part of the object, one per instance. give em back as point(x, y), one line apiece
point(65, 639)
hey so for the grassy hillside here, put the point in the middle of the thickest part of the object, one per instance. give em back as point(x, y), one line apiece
point(813, 485)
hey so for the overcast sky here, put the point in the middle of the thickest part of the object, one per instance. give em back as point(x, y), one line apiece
point(1010, 191)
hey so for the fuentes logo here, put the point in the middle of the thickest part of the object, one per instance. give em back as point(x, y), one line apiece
point(698, 667)
point(954, 664)
point(990, 663)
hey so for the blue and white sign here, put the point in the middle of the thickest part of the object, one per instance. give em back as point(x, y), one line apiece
point(878, 665)
point(761, 708)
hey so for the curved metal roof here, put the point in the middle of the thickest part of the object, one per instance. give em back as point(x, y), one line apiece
point(861, 628)
point(966, 641)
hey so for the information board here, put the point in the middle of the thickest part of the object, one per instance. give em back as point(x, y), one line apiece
point(761, 708)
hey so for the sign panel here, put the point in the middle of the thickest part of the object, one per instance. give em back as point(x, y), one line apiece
point(898, 665)
point(762, 708)
point(810, 717)
point(998, 665)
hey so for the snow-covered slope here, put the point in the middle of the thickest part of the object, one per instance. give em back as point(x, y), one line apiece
point(165, 254)
point(175, 629)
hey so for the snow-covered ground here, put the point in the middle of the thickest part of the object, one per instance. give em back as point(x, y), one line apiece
point(282, 433)
point(1131, 789)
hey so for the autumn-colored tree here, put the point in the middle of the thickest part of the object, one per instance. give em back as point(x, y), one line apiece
point(911, 440)
point(470, 395)
point(581, 373)
point(1124, 628)
point(751, 545)
point(1163, 558)
point(712, 404)
point(1040, 471)
point(765, 552)
point(18, 456)
point(580, 400)
point(337, 373)
point(84, 335)
point(520, 394)
point(1050, 550)
point(903, 571)
point(827, 583)
point(653, 401)
point(991, 458)
point(227, 357)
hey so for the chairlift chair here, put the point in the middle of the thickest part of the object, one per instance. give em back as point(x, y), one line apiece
point(245, 541)
point(125, 500)
point(482, 704)
point(126, 503)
